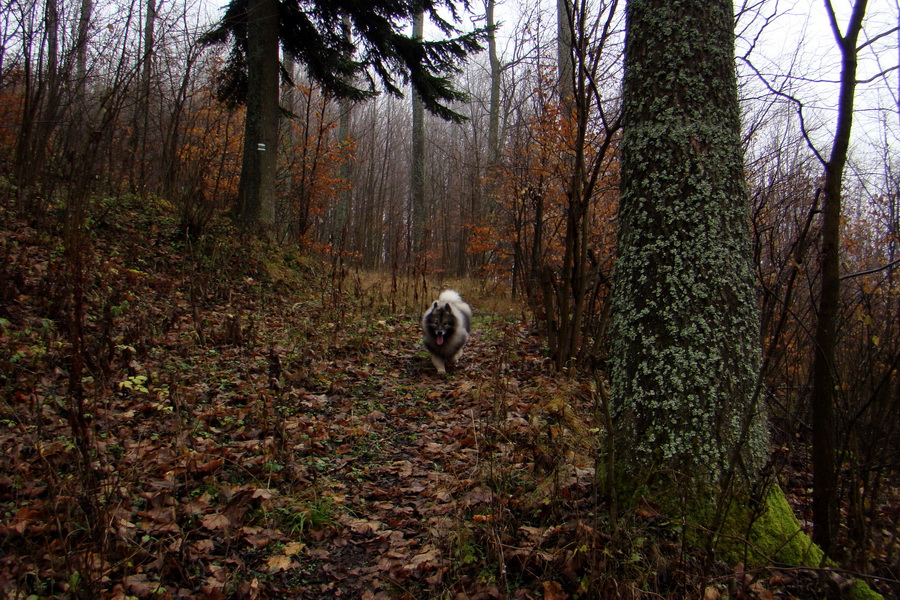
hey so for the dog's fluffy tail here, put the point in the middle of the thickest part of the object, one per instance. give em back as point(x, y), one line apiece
point(451, 296)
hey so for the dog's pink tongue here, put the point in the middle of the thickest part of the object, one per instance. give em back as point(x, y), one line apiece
point(440, 340)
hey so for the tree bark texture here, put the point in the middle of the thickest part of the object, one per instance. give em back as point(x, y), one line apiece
point(685, 331)
point(256, 190)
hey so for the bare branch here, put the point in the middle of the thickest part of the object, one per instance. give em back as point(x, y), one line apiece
point(890, 265)
point(878, 75)
point(876, 38)
point(793, 100)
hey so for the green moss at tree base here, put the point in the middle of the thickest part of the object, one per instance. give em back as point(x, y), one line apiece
point(776, 536)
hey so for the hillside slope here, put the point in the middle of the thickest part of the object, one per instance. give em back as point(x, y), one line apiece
point(250, 423)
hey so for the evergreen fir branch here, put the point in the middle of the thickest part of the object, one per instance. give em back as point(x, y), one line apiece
point(312, 32)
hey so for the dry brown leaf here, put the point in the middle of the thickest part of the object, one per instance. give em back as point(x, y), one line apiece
point(264, 493)
point(292, 548)
point(554, 591)
point(215, 521)
point(711, 593)
point(139, 585)
point(362, 526)
point(279, 562)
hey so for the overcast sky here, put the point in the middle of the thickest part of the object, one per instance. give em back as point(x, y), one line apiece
point(797, 41)
point(800, 42)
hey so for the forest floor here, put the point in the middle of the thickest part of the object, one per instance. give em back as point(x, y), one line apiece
point(214, 419)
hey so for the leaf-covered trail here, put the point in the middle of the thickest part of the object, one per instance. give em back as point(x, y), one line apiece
point(246, 428)
point(407, 480)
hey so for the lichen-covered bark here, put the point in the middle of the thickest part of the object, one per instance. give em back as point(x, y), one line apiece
point(685, 332)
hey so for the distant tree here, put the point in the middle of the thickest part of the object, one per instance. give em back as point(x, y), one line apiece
point(565, 33)
point(142, 115)
point(685, 347)
point(417, 159)
point(351, 67)
point(494, 107)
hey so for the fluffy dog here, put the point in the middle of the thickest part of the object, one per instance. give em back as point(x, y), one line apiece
point(445, 329)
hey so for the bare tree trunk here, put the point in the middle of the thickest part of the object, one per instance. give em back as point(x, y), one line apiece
point(417, 171)
point(825, 513)
point(81, 43)
point(41, 103)
point(343, 207)
point(494, 109)
point(142, 118)
point(587, 43)
point(256, 191)
point(565, 62)
point(285, 214)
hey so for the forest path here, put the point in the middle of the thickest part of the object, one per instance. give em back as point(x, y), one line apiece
point(250, 429)
point(406, 478)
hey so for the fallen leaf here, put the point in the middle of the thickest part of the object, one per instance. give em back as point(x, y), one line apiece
point(363, 525)
point(201, 548)
point(405, 468)
point(263, 493)
point(279, 562)
point(215, 521)
point(139, 585)
point(293, 548)
point(554, 591)
point(711, 593)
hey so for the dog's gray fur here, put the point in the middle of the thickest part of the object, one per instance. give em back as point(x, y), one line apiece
point(445, 329)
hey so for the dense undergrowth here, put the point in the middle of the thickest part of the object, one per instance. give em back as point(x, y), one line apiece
point(251, 422)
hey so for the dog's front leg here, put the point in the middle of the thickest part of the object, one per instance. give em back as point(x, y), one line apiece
point(439, 364)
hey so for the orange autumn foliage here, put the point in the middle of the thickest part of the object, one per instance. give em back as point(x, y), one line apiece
point(530, 191)
point(311, 161)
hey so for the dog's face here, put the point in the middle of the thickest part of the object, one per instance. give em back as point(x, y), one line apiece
point(441, 323)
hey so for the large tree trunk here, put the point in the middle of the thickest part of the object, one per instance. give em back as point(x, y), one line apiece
point(824, 377)
point(256, 191)
point(685, 333)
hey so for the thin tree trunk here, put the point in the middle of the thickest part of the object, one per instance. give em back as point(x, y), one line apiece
point(142, 118)
point(42, 95)
point(494, 108)
point(565, 65)
point(343, 208)
point(824, 375)
point(81, 44)
point(417, 171)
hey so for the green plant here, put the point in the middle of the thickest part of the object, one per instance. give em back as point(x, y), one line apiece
point(298, 517)
point(135, 383)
